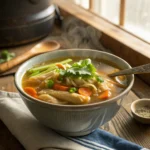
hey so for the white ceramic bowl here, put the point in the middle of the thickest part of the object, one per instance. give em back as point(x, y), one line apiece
point(139, 104)
point(73, 120)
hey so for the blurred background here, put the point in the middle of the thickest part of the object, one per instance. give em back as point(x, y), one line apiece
point(131, 15)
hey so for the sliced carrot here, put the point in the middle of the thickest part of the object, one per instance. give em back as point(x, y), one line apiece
point(85, 91)
point(60, 87)
point(60, 66)
point(105, 95)
point(35, 96)
point(31, 91)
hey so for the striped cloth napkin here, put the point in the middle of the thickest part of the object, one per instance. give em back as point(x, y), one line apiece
point(34, 136)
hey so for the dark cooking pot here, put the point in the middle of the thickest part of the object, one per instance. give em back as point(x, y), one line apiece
point(23, 21)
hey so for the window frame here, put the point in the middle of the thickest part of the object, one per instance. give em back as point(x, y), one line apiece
point(121, 23)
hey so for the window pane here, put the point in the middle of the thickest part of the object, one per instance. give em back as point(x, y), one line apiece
point(108, 9)
point(77, 1)
point(137, 18)
point(83, 3)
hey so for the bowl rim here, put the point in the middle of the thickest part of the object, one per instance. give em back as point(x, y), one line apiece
point(133, 107)
point(97, 104)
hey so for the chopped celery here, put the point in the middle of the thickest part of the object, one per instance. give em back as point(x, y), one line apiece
point(44, 67)
point(46, 71)
point(35, 73)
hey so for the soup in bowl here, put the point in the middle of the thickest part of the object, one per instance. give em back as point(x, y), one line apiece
point(70, 90)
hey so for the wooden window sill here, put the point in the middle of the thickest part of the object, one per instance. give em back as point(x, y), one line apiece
point(122, 43)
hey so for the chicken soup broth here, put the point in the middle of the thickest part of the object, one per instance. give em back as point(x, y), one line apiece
point(73, 81)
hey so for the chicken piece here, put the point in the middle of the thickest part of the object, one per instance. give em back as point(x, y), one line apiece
point(103, 86)
point(92, 86)
point(66, 96)
point(29, 82)
point(41, 80)
point(48, 75)
point(75, 82)
point(79, 81)
point(48, 98)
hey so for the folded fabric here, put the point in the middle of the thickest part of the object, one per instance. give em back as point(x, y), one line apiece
point(35, 136)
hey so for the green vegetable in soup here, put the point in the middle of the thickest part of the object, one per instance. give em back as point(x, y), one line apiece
point(99, 79)
point(82, 69)
point(35, 73)
point(50, 83)
point(73, 90)
point(77, 82)
point(45, 67)
point(46, 71)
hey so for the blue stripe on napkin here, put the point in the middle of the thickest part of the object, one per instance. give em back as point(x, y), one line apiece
point(102, 140)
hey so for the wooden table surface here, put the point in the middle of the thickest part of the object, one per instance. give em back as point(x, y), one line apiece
point(122, 124)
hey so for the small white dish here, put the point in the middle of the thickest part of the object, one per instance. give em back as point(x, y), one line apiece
point(138, 107)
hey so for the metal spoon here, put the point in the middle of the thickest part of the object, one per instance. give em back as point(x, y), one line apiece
point(40, 48)
point(136, 70)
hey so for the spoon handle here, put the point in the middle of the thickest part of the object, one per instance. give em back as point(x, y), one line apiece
point(136, 70)
point(15, 61)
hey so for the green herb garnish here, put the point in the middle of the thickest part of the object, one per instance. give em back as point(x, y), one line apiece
point(6, 56)
point(60, 78)
point(99, 79)
point(2, 60)
point(83, 69)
